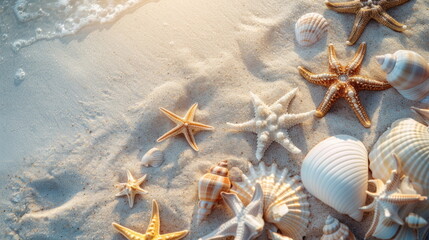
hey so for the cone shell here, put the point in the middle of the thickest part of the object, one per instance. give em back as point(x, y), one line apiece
point(153, 158)
point(209, 188)
point(415, 221)
point(310, 28)
point(336, 172)
point(334, 230)
point(408, 72)
point(285, 203)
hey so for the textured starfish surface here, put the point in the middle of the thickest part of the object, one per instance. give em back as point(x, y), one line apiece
point(388, 199)
point(271, 125)
point(131, 188)
point(152, 232)
point(344, 81)
point(366, 10)
point(247, 222)
point(185, 125)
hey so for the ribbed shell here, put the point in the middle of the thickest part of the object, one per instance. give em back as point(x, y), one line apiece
point(153, 158)
point(408, 72)
point(336, 172)
point(209, 188)
point(285, 203)
point(415, 221)
point(310, 28)
point(334, 230)
point(276, 236)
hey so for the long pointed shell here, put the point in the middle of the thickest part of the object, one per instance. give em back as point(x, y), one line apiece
point(310, 28)
point(153, 158)
point(336, 172)
point(334, 230)
point(415, 221)
point(408, 72)
point(285, 203)
point(209, 188)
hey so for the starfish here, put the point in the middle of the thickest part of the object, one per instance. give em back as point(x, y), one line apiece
point(131, 188)
point(152, 232)
point(185, 125)
point(271, 125)
point(366, 10)
point(247, 223)
point(345, 82)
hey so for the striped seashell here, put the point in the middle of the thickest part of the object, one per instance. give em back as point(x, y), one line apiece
point(408, 72)
point(415, 221)
point(336, 172)
point(285, 203)
point(153, 158)
point(334, 230)
point(310, 28)
point(210, 186)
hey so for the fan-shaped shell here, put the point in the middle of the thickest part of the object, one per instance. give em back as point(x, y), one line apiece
point(310, 28)
point(210, 187)
point(153, 158)
point(408, 72)
point(285, 203)
point(336, 172)
point(334, 230)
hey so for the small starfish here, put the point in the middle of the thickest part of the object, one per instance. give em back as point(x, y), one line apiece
point(185, 125)
point(152, 232)
point(271, 125)
point(247, 223)
point(345, 82)
point(366, 10)
point(131, 188)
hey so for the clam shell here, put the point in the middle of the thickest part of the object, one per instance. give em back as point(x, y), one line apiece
point(285, 203)
point(153, 158)
point(408, 72)
point(336, 172)
point(415, 221)
point(334, 230)
point(310, 28)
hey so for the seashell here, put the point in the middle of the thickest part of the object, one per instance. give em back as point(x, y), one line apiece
point(408, 72)
point(210, 187)
point(336, 172)
point(285, 203)
point(334, 230)
point(276, 236)
point(310, 28)
point(415, 221)
point(153, 158)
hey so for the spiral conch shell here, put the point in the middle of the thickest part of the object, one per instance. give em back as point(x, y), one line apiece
point(334, 230)
point(285, 203)
point(408, 72)
point(210, 186)
point(310, 28)
point(336, 172)
point(153, 158)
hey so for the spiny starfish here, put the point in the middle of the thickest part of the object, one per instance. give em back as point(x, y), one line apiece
point(247, 223)
point(152, 232)
point(345, 82)
point(185, 125)
point(131, 188)
point(366, 10)
point(271, 125)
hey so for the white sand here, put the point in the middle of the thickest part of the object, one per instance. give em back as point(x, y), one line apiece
point(87, 109)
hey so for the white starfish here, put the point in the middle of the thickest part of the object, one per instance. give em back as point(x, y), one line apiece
point(131, 188)
point(247, 223)
point(271, 125)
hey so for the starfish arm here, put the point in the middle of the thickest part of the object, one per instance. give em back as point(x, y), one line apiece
point(362, 18)
point(283, 102)
point(324, 79)
point(141, 191)
point(233, 202)
point(175, 235)
point(263, 142)
point(374, 223)
point(330, 97)
point(383, 18)
point(131, 196)
point(173, 132)
point(283, 139)
point(393, 182)
point(189, 116)
point(130, 176)
point(122, 193)
point(249, 126)
point(154, 225)
point(199, 126)
point(172, 116)
point(128, 233)
point(189, 135)
point(141, 180)
point(386, 4)
point(290, 120)
point(364, 83)
point(354, 102)
point(226, 229)
point(257, 103)
point(356, 63)
point(255, 206)
point(392, 215)
point(401, 199)
point(368, 208)
point(334, 64)
point(344, 7)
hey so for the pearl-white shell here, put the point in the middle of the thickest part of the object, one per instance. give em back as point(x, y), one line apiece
point(334, 230)
point(310, 28)
point(153, 158)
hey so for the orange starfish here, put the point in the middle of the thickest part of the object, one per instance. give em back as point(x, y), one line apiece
point(345, 82)
point(366, 10)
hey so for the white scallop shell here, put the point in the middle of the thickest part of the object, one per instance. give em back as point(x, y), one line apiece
point(336, 172)
point(310, 28)
point(334, 230)
point(153, 158)
point(408, 72)
point(285, 203)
